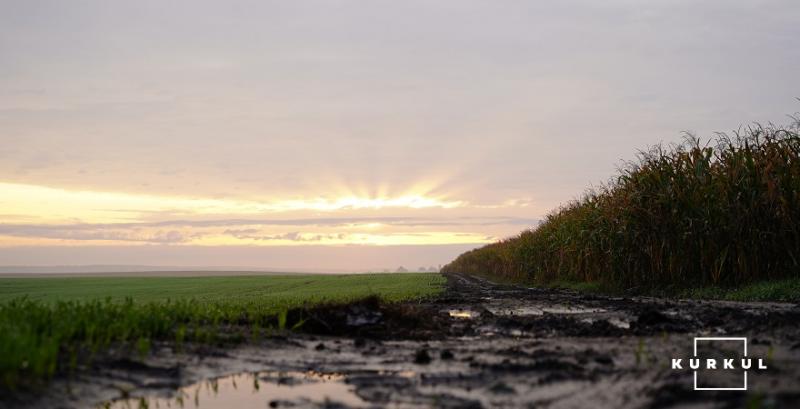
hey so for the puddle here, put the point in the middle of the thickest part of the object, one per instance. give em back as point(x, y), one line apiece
point(520, 311)
point(619, 323)
point(571, 310)
point(491, 330)
point(557, 309)
point(463, 314)
point(252, 390)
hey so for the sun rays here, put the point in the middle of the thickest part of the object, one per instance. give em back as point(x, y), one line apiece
point(42, 215)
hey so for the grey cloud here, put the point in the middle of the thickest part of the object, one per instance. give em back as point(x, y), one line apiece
point(240, 232)
point(291, 236)
point(56, 232)
point(327, 222)
point(165, 231)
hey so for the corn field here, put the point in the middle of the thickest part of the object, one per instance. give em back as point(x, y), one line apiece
point(723, 213)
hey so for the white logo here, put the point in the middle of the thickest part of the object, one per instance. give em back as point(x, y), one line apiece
point(744, 364)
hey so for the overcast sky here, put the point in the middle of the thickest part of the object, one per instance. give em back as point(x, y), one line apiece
point(351, 134)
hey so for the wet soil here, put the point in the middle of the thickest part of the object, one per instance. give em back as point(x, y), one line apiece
point(478, 345)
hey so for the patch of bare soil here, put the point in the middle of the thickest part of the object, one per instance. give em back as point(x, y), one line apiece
point(479, 345)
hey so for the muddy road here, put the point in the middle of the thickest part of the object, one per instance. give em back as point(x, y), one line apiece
point(478, 345)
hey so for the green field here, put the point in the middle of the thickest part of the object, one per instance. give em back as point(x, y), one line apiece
point(277, 290)
point(52, 325)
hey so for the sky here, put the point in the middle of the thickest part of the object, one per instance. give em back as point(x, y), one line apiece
point(351, 135)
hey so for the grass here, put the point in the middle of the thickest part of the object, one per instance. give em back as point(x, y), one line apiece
point(279, 290)
point(51, 325)
point(778, 290)
point(787, 290)
point(723, 214)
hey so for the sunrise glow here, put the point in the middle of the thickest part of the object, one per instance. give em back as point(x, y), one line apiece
point(41, 215)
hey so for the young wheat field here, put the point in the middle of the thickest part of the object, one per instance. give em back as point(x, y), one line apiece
point(50, 325)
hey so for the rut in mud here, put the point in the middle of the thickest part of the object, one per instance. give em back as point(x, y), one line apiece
point(477, 345)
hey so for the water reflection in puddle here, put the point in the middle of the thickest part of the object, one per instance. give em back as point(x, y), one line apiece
point(541, 310)
point(252, 390)
point(463, 313)
point(572, 310)
point(619, 323)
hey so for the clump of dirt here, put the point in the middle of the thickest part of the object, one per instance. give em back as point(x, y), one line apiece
point(373, 319)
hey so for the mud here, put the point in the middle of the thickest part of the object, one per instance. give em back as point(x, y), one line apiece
point(478, 345)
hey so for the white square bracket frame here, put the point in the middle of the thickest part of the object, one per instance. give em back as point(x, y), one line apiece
point(744, 342)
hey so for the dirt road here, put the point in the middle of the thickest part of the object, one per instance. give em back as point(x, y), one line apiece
point(479, 344)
